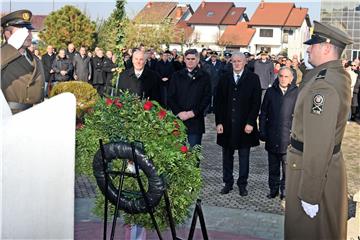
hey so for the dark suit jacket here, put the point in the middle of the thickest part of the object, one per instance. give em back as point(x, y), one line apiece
point(186, 94)
point(249, 100)
point(146, 86)
point(47, 62)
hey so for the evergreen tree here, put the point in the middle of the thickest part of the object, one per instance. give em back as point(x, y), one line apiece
point(67, 25)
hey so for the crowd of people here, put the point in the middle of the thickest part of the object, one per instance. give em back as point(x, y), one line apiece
point(299, 113)
point(98, 69)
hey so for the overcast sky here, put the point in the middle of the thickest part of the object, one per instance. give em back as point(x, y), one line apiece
point(102, 9)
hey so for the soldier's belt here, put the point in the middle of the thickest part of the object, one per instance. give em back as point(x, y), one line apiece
point(300, 146)
point(19, 106)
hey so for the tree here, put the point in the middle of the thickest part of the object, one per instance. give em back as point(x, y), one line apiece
point(67, 25)
point(151, 36)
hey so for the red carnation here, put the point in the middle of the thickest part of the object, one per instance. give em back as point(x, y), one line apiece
point(117, 103)
point(184, 149)
point(162, 114)
point(148, 105)
point(109, 102)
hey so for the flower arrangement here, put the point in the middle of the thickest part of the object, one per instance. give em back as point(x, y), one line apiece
point(129, 118)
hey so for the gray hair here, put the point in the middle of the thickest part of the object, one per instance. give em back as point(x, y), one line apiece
point(141, 52)
point(287, 68)
point(239, 54)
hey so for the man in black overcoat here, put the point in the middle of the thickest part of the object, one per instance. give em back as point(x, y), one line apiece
point(189, 96)
point(236, 109)
point(139, 79)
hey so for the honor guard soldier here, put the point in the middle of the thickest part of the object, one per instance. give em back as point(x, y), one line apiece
point(22, 75)
point(316, 199)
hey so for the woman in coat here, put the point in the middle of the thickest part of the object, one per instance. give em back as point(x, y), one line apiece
point(275, 123)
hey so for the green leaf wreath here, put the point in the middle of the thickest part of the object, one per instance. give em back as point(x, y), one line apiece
point(129, 118)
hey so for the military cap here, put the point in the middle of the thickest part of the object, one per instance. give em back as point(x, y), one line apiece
point(327, 33)
point(227, 54)
point(247, 54)
point(262, 52)
point(214, 53)
point(20, 18)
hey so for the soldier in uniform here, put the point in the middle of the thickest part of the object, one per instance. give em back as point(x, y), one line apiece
point(22, 74)
point(316, 202)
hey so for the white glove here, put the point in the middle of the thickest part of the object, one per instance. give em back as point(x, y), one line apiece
point(17, 39)
point(310, 210)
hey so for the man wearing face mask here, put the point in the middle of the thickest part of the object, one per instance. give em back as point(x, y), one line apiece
point(316, 197)
point(22, 75)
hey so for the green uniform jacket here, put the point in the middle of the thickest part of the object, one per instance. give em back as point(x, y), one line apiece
point(21, 82)
point(316, 175)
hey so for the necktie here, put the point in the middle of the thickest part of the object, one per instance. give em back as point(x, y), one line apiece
point(237, 78)
point(137, 75)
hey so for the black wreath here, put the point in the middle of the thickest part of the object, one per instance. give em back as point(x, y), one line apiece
point(123, 150)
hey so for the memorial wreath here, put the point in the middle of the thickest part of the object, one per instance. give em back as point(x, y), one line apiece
point(128, 118)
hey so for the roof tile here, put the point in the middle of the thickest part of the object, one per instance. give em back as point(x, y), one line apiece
point(271, 14)
point(233, 16)
point(238, 35)
point(211, 13)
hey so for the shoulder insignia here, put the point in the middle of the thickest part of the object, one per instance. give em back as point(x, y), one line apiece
point(321, 74)
point(318, 104)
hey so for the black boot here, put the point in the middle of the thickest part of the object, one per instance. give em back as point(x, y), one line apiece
point(273, 194)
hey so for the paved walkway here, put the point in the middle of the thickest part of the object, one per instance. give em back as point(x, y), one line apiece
point(227, 216)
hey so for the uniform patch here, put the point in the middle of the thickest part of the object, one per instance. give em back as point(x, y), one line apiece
point(318, 104)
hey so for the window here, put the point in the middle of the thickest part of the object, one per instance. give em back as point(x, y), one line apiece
point(266, 32)
point(209, 14)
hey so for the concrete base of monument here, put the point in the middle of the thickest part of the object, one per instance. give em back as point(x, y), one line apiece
point(37, 150)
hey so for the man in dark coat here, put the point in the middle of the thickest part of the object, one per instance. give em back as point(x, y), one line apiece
point(189, 96)
point(98, 77)
point(82, 66)
point(109, 69)
point(62, 67)
point(216, 68)
point(140, 80)
point(275, 123)
point(264, 68)
point(47, 60)
point(236, 110)
point(165, 69)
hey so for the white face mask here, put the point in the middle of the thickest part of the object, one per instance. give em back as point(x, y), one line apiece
point(306, 61)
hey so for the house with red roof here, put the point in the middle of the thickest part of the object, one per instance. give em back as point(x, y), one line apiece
point(279, 27)
point(210, 20)
point(155, 13)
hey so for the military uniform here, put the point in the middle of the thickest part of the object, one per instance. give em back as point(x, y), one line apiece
point(22, 75)
point(315, 165)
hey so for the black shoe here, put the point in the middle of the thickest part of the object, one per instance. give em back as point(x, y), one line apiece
point(226, 189)
point(272, 195)
point(243, 192)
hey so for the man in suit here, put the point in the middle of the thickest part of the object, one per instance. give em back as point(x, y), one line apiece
point(140, 80)
point(236, 110)
point(216, 68)
point(47, 60)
